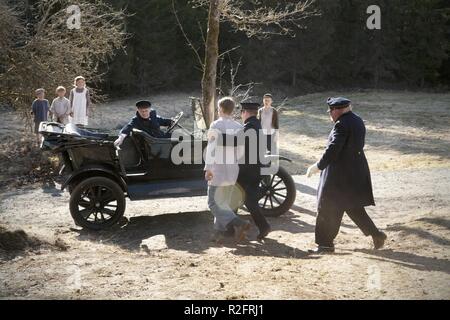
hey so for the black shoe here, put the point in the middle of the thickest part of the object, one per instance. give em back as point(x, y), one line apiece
point(322, 250)
point(378, 240)
point(263, 233)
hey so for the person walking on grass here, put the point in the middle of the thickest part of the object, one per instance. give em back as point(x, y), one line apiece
point(345, 184)
point(250, 168)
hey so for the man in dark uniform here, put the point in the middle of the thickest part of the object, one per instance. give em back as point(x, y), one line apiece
point(345, 184)
point(250, 171)
point(146, 120)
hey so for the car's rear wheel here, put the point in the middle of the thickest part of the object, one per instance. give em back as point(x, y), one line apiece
point(97, 203)
point(71, 187)
point(277, 193)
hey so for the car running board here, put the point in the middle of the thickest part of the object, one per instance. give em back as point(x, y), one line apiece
point(167, 189)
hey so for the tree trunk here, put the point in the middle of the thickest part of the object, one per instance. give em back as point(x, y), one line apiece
point(211, 57)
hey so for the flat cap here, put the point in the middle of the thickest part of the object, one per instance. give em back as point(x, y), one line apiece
point(143, 104)
point(250, 105)
point(338, 102)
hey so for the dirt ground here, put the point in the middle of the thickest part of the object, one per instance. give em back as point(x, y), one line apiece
point(162, 250)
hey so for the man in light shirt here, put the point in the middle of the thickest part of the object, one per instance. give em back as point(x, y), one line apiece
point(221, 172)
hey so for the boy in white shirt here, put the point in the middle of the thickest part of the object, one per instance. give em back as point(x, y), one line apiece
point(221, 172)
point(60, 108)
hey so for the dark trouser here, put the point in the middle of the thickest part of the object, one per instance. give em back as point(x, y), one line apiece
point(329, 221)
point(269, 139)
point(251, 186)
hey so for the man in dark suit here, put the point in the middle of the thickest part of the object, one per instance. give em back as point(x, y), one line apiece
point(146, 120)
point(345, 184)
point(250, 169)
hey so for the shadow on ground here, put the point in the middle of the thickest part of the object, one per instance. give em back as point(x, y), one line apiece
point(422, 234)
point(302, 188)
point(192, 232)
point(409, 260)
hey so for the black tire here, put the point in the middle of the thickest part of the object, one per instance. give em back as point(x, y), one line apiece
point(71, 187)
point(277, 193)
point(97, 203)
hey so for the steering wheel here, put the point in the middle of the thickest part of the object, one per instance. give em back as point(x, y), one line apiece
point(175, 121)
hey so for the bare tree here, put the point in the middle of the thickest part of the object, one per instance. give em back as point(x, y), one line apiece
point(47, 53)
point(229, 85)
point(251, 17)
point(210, 65)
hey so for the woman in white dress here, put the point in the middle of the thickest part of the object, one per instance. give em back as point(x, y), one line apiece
point(80, 102)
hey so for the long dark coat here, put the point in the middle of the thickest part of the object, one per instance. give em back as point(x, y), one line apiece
point(345, 178)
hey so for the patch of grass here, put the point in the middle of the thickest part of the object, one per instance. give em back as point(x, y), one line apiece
point(22, 162)
point(405, 130)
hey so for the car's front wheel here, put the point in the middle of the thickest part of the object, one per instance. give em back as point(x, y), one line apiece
point(97, 203)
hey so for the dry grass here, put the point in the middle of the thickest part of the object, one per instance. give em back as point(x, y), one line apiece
point(404, 129)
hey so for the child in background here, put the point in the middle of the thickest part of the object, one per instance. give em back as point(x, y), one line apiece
point(268, 116)
point(39, 109)
point(80, 101)
point(60, 108)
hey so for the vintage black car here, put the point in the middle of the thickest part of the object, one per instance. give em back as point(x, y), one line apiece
point(100, 176)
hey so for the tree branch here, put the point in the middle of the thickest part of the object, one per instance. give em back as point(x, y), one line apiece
point(189, 42)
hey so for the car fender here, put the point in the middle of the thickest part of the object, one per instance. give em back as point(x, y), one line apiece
point(92, 170)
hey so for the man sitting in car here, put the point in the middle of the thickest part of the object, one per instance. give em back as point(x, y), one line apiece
point(146, 120)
